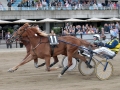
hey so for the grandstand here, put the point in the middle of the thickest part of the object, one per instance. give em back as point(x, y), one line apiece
point(52, 5)
point(57, 13)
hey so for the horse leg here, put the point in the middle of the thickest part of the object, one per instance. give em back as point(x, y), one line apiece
point(69, 64)
point(37, 66)
point(29, 58)
point(55, 61)
point(47, 62)
point(76, 55)
point(35, 60)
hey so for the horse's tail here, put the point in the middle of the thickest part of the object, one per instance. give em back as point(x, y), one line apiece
point(85, 43)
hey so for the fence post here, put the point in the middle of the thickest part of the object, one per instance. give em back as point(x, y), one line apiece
point(16, 43)
point(81, 35)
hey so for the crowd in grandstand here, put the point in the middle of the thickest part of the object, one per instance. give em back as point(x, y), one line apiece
point(65, 4)
point(89, 29)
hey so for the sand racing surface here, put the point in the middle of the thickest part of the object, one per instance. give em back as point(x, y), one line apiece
point(27, 77)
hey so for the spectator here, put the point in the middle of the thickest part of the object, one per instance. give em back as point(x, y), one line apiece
point(28, 3)
point(67, 26)
point(76, 28)
point(94, 29)
point(90, 30)
point(110, 26)
point(102, 32)
point(1, 6)
point(52, 32)
point(95, 6)
point(40, 6)
point(8, 41)
point(78, 33)
point(44, 4)
point(106, 28)
point(65, 32)
point(99, 6)
point(33, 3)
point(19, 6)
point(114, 5)
point(114, 31)
point(79, 6)
point(9, 5)
point(117, 25)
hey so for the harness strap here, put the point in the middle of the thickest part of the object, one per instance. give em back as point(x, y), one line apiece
point(52, 50)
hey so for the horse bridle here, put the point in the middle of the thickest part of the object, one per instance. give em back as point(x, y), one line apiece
point(20, 35)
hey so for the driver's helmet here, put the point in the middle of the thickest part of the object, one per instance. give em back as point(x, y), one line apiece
point(97, 36)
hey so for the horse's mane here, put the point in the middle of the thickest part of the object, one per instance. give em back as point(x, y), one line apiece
point(34, 29)
point(25, 26)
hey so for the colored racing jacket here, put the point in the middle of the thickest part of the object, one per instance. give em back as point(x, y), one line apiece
point(113, 45)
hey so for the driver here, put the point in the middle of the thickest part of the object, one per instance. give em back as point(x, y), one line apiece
point(111, 48)
point(96, 40)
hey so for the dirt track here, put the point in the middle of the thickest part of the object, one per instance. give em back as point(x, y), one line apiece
point(29, 78)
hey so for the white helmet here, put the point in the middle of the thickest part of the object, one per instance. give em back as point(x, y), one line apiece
point(96, 35)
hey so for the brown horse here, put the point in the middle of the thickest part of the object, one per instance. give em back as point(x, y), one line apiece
point(68, 45)
point(27, 44)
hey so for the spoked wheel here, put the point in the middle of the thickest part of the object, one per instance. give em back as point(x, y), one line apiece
point(65, 63)
point(101, 73)
point(84, 70)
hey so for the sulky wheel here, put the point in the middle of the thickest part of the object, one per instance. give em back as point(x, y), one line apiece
point(65, 63)
point(101, 73)
point(84, 70)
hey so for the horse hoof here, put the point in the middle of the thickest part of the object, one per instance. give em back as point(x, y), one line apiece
point(11, 70)
point(59, 76)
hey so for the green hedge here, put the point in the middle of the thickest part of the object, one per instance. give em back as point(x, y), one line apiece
point(10, 30)
point(56, 30)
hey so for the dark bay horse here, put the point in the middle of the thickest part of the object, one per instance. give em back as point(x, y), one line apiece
point(41, 47)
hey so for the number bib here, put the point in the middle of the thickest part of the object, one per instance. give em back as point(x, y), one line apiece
point(53, 40)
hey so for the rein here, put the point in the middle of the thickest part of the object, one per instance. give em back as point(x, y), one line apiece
point(80, 47)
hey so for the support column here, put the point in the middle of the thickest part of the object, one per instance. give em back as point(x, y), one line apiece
point(2, 34)
point(47, 27)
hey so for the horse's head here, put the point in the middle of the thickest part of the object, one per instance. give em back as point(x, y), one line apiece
point(21, 32)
